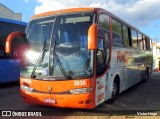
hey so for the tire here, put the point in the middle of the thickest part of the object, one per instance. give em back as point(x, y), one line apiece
point(115, 92)
point(147, 74)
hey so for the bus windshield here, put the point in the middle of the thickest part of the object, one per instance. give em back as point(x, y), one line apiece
point(58, 47)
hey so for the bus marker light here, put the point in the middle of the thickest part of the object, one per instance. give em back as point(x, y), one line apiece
point(88, 101)
point(81, 102)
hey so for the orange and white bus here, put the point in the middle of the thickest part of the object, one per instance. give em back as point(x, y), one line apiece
point(81, 57)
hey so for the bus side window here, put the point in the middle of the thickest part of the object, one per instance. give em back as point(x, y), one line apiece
point(117, 32)
point(103, 43)
point(140, 41)
point(134, 38)
point(150, 40)
point(144, 43)
point(148, 43)
point(103, 22)
point(125, 35)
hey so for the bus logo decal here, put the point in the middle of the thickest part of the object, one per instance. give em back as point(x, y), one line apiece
point(100, 97)
point(49, 89)
point(122, 56)
point(100, 87)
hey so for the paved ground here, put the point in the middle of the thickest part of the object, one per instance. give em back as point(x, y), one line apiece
point(144, 97)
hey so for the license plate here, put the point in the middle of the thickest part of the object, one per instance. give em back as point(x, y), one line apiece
point(49, 100)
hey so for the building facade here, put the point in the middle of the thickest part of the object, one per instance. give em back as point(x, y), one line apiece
point(156, 55)
point(9, 14)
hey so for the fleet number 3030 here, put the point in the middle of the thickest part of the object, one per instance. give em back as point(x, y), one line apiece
point(80, 83)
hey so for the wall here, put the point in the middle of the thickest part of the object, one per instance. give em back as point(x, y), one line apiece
point(7, 13)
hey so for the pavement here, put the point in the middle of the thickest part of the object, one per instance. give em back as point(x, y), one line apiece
point(155, 74)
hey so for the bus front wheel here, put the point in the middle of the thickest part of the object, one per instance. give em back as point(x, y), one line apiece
point(115, 91)
point(147, 74)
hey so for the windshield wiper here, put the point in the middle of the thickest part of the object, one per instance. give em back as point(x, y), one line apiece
point(60, 65)
point(55, 55)
point(40, 59)
point(59, 62)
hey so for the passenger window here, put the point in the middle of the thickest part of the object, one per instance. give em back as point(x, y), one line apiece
point(104, 30)
point(140, 41)
point(103, 22)
point(134, 38)
point(144, 43)
point(125, 36)
point(148, 43)
point(117, 32)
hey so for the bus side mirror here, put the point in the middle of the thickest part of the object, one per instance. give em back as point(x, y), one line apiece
point(92, 37)
point(9, 39)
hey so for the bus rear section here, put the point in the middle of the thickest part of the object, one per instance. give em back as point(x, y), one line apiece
point(10, 63)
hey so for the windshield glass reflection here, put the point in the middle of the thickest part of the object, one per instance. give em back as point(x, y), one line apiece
point(66, 49)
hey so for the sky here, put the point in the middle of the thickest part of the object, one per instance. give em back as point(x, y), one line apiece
point(143, 14)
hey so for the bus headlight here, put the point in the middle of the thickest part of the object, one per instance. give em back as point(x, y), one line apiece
point(81, 90)
point(32, 56)
point(26, 88)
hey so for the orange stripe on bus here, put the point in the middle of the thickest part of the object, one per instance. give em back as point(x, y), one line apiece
point(63, 11)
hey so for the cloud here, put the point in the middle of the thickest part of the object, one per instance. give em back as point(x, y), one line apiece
point(139, 12)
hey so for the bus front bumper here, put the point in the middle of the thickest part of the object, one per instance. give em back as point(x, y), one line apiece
point(85, 101)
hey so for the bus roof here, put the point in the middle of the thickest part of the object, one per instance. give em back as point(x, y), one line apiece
point(71, 10)
point(85, 9)
point(13, 21)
